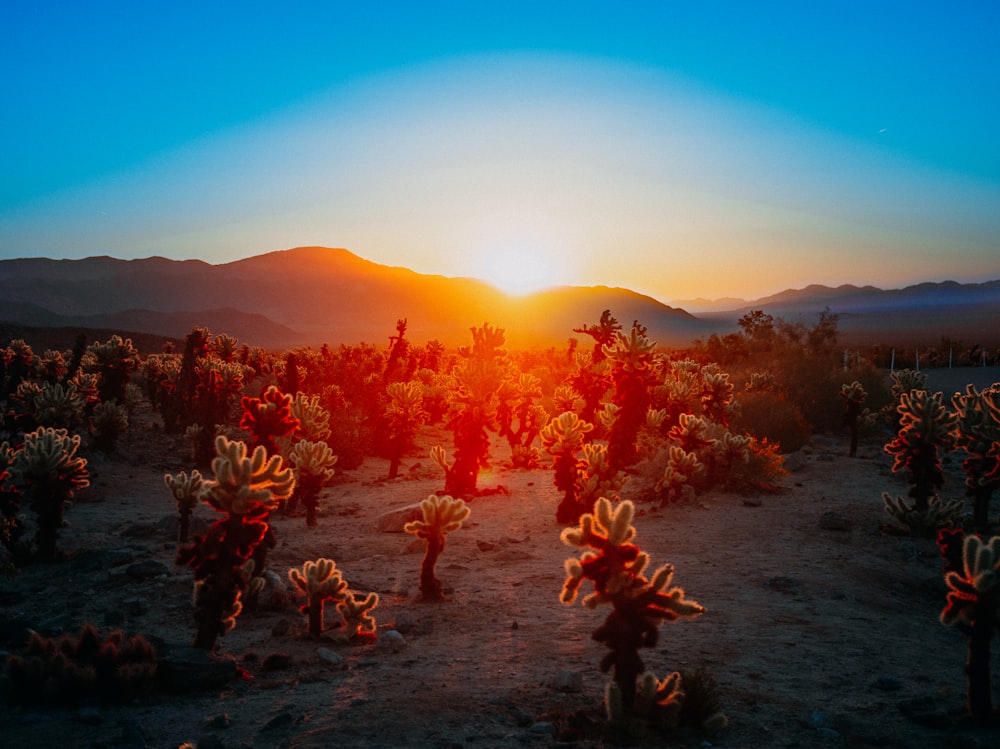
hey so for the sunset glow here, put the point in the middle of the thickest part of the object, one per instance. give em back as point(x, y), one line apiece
point(664, 149)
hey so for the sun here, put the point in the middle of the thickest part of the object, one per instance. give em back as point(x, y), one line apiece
point(518, 270)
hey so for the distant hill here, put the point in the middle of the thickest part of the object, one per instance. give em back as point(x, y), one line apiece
point(920, 314)
point(315, 295)
point(309, 296)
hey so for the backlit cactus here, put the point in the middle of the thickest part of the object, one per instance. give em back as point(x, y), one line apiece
point(48, 472)
point(615, 566)
point(441, 515)
point(319, 581)
point(926, 429)
point(313, 464)
point(246, 488)
point(520, 418)
point(563, 438)
point(358, 621)
point(854, 397)
point(678, 480)
point(186, 490)
point(115, 360)
point(973, 606)
point(632, 374)
point(403, 417)
point(977, 431)
point(108, 422)
point(268, 417)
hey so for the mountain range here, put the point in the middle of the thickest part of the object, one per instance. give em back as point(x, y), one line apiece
point(315, 295)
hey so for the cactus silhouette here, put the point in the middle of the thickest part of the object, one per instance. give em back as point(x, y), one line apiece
point(632, 373)
point(313, 465)
point(268, 417)
point(925, 430)
point(48, 472)
point(615, 566)
point(441, 515)
point(973, 606)
point(186, 490)
point(977, 431)
point(246, 488)
point(854, 396)
point(403, 416)
point(319, 581)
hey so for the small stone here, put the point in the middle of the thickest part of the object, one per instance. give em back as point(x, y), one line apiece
point(222, 720)
point(89, 715)
point(570, 682)
point(405, 622)
point(834, 521)
point(485, 545)
point(276, 662)
point(192, 669)
point(210, 742)
point(544, 728)
point(889, 683)
point(391, 640)
point(828, 733)
point(147, 570)
point(394, 520)
point(281, 720)
point(331, 658)
point(281, 628)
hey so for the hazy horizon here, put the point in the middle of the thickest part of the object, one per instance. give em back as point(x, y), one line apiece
point(681, 153)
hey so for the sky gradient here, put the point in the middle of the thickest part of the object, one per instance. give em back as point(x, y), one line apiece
point(677, 149)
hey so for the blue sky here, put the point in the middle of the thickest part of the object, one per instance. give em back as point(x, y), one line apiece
point(679, 149)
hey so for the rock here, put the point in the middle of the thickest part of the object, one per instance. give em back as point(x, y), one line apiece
point(282, 720)
point(394, 520)
point(570, 682)
point(888, 683)
point(834, 521)
point(147, 570)
point(485, 545)
point(193, 670)
point(331, 658)
point(276, 662)
point(405, 622)
point(96, 560)
point(210, 742)
point(281, 628)
point(391, 640)
point(89, 715)
point(222, 720)
point(275, 593)
point(544, 728)
point(794, 462)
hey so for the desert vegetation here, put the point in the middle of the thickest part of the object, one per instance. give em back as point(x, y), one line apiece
point(620, 430)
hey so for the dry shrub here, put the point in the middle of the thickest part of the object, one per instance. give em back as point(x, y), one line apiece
point(771, 417)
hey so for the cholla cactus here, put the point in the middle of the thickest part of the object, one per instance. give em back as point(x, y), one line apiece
point(109, 422)
point(356, 613)
point(937, 514)
point(56, 406)
point(974, 607)
point(657, 704)
point(441, 515)
point(320, 581)
point(977, 431)
point(47, 470)
point(854, 396)
point(246, 489)
point(115, 360)
point(615, 566)
point(314, 420)
point(474, 408)
point(678, 480)
point(563, 438)
point(268, 417)
point(716, 394)
point(520, 418)
point(595, 478)
point(925, 429)
point(633, 374)
point(403, 416)
point(186, 490)
point(313, 464)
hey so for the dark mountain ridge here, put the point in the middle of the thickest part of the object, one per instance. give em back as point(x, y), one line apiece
point(315, 295)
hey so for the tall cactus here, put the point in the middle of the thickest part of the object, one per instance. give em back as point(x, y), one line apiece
point(973, 606)
point(47, 470)
point(616, 568)
point(854, 397)
point(246, 488)
point(926, 429)
point(319, 581)
point(441, 515)
point(977, 431)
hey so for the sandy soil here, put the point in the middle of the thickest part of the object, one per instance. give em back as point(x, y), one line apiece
point(820, 631)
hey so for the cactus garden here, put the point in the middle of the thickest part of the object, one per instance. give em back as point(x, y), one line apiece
point(366, 546)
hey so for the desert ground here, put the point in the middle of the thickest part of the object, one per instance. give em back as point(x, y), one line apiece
point(821, 626)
